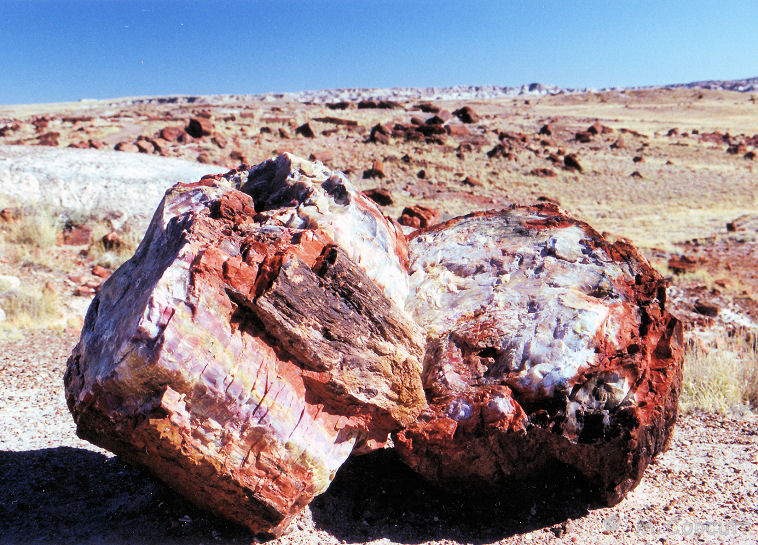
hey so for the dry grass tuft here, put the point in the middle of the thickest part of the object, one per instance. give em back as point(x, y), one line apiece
point(29, 308)
point(39, 228)
point(719, 378)
point(112, 258)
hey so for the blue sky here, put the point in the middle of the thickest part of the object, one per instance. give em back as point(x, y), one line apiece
point(54, 50)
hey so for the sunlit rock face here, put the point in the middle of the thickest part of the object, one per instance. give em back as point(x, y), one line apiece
point(545, 344)
point(227, 356)
point(273, 322)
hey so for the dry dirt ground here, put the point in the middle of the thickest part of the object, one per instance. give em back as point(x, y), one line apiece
point(59, 489)
point(672, 192)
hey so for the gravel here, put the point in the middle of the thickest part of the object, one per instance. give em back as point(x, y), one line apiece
point(60, 489)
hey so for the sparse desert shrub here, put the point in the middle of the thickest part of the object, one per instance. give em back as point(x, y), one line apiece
point(36, 228)
point(112, 257)
point(723, 376)
point(29, 308)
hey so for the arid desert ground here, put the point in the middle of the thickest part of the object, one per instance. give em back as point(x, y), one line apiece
point(671, 170)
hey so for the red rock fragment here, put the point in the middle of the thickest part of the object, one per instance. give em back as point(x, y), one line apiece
point(305, 130)
point(126, 146)
point(572, 163)
point(467, 115)
point(376, 170)
point(100, 271)
point(543, 172)
point(418, 216)
point(10, 215)
point(706, 309)
point(682, 264)
point(199, 127)
point(78, 235)
point(380, 196)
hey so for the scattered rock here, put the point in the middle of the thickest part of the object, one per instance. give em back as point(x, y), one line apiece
point(380, 196)
point(428, 108)
point(283, 133)
point(418, 217)
point(305, 130)
point(325, 156)
point(10, 215)
point(100, 271)
point(342, 105)
point(599, 128)
point(543, 172)
point(49, 139)
point(618, 144)
point(471, 181)
point(171, 134)
point(682, 264)
point(547, 129)
point(220, 140)
point(457, 130)
point(77, 235)
point(749, 155)
point(583, 136)
point(421, 174)
point(126, 146)
point(379, 134)
point(466, 115)
point(144, 146)
point(636, 174)
point(706, 309)
point(337, 121)
point(376, 170)
point(237, 155)
point(572, 163)
point(84, 291)
point(112, 241)
point(638, 159)
point(198, 127)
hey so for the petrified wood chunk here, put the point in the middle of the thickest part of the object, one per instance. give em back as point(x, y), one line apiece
point(255, 338)
point(546, 344)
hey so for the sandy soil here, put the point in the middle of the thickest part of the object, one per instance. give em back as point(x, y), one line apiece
point(59, 489)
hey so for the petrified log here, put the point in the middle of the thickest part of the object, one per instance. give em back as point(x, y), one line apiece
point(273, 321)
point(253, 340)
point(546, 344)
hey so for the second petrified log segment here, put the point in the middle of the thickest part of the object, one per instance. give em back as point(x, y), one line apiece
point(188, 364)
point(546, 344)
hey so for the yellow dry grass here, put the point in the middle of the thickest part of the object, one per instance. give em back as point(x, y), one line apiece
point(722, 377)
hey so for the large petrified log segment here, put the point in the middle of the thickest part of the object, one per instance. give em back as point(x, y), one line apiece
point(546, 344)
point(177, 370)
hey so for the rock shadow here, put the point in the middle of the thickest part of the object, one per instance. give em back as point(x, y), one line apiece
point(377, 496)
point(72, 495)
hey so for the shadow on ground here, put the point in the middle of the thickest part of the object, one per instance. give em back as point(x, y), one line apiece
point(70, 495)
point(377, 496)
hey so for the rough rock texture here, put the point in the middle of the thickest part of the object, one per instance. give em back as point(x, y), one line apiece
point(273, 321)
point(546, 344)
point(253, 341)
